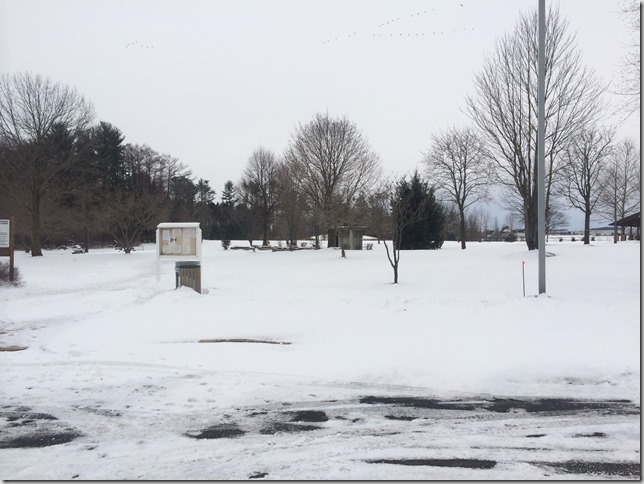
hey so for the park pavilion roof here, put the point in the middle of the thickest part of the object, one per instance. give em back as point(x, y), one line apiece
point(630, 221)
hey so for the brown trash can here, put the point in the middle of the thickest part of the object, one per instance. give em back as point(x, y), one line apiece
point(188, 273)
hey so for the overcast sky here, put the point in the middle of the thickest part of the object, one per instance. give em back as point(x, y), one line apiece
point(210, 81)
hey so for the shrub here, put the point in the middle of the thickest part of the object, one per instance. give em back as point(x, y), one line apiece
point(225, 244)
point(4, 275)
point(573, 240)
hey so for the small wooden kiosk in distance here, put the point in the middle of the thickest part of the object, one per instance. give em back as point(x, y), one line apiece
point(181, 242)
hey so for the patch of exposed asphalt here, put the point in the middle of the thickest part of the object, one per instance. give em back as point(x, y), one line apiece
point(277, 427)
point(220, 431)
point(26, 417)
point(13, 348)
point(466, 463)
point(309, 416)
point(25, 429)
point(400, 417)
point(39, 439)
point(505, 405)
point(104, 412)
point(245, 340)
point(623, 469)
point(280, 422)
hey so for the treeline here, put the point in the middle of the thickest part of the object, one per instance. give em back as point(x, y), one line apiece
point(64, 177)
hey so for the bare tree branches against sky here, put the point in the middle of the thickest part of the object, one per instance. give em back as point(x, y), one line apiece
point(222, 77)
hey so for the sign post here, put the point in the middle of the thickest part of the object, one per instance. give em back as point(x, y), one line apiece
point(6, 243)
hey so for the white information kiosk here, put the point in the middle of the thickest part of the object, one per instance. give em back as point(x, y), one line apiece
point(178, 241)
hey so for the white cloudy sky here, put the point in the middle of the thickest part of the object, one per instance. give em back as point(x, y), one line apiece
point(209, 81)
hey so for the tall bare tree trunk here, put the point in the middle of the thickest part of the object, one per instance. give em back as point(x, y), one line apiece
point(615, 222)
point(265, 231)
point(36, 242)
point(531, 220)
point(86, 237)
point(587, 226)
point(461, 214)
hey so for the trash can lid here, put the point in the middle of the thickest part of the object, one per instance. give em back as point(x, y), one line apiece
point(187, 264)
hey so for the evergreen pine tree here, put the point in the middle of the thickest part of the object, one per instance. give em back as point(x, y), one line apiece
point(229, 195)
point(107, 144)
point(427, 233)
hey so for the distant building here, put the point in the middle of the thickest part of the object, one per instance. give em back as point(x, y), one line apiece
point(347, 237)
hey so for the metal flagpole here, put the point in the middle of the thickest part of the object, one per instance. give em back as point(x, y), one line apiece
point(541, 182)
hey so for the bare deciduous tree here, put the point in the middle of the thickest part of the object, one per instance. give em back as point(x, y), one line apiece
point(331, 162)
point(396, 198)
point(585, 159)
point(403, 215)
point(505, 108)
point(458, 163)
point(126, 215)
point(556, 217)
point(144, 166)
point(630, 80)
point(259, 188)
point(32, 107)
point(478, 221)
point(621, 188)
point(292, 205)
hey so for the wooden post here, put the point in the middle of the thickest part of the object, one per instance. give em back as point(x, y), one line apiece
point(11, 231)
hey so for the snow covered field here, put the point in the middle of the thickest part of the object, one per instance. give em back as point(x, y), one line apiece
point(113, 362)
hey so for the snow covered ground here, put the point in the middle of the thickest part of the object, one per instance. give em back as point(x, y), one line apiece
point(114, 369)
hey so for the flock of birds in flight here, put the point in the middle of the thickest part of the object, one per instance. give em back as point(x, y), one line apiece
point(136, 44)
point(399, 34)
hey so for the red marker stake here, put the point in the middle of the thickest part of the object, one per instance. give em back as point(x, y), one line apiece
point(523, 271)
